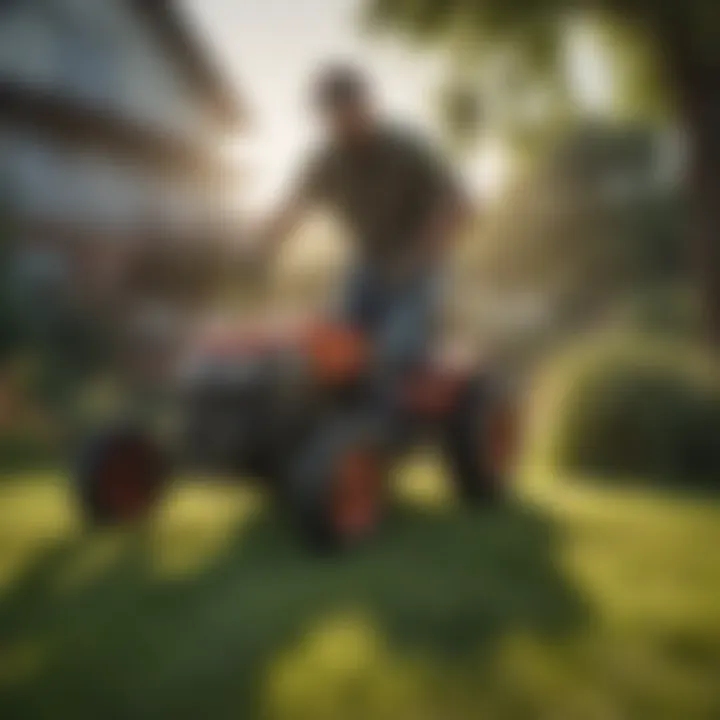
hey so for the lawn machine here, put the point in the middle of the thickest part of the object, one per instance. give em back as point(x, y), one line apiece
point(298, 410)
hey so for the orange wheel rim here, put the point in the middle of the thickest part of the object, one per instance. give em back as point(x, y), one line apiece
point(356, 494)
point(338, 354)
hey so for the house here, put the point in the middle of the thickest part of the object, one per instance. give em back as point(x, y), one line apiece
point(112, 117)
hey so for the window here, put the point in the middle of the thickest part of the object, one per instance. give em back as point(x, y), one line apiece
point(9, 5)
point(86, 57)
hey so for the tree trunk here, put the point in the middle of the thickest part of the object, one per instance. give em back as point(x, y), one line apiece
point(702, 115)
point(694, 73)
point(705, 180)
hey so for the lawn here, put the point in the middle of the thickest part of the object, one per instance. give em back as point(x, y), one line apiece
point(575, 602)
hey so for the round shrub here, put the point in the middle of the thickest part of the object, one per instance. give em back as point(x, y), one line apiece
point(641, 409)
point(673, 311)
point(23, 449)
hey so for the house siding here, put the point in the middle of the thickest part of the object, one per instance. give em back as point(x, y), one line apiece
point(104, 57)
point(102, 54)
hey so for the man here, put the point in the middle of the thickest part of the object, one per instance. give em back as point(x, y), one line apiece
point(401, 205)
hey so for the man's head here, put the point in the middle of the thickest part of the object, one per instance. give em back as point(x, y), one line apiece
point(342, 96)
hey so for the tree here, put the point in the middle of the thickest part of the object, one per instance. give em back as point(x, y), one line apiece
point(591, 223)
point(682, 40)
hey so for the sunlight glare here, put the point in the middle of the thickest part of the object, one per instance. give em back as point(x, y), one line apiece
point(491, 172)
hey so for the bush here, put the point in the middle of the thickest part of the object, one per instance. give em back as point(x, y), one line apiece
point(640, 408)
point(669, 310)
point(24, 449)
point(30, 436)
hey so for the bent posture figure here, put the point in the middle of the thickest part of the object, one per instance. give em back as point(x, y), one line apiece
point(401, 203)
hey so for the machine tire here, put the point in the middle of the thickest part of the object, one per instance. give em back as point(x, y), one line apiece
point(120, 477)
point(337, 487)
point(480, 479)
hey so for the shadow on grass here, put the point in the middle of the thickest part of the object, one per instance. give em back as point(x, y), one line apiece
point(125, 642)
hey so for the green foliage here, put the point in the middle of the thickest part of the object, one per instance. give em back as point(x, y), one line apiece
point(636, 73)
point(588, 227)
point(48, 348)
point(664, 58)
point(10, 326)
point(23, 448)
point(641, 408)
point(536, 22)
point(436, 19)
point(673, 311)
point(534, 31)
point(461, 113)
point(65, 341)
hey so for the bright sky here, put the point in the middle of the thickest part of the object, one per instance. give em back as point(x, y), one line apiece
point(270, 50)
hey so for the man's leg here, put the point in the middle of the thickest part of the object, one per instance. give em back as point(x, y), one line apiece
point(360, 302)
point(407, 329)
point(403, 342)
point(400, 324)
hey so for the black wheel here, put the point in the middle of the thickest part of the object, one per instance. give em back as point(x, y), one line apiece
point(337, 487)
point(120, 477)
point(479, 442)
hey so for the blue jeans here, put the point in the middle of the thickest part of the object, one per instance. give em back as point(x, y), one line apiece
point(399, 318)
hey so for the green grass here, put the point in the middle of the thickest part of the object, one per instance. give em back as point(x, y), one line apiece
point(573, 603)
